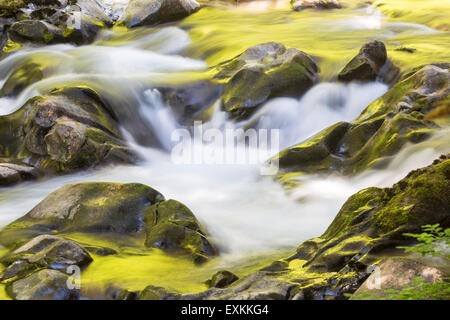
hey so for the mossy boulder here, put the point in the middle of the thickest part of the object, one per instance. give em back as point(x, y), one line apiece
point(389, 123)
point(172, 227)
point(261, 72)
point(152, 12)
point(369, 64)
point(128, 215)
point(65, 130)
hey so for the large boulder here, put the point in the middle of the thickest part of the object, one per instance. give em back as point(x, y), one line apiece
point(66, 130)
point(369, 64)
point(126, 214)
point(152, 12)
point(397, 118)
point(264, 71)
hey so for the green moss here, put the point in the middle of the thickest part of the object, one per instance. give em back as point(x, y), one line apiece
point(425, 191)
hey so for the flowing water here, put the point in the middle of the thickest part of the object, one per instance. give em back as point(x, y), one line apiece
point(249, 216)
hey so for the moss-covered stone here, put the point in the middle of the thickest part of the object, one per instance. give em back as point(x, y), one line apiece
point(66, 130)
point(382, 130)
point(125, 215)
point(367, 64)
point(172, 227)
point(261, 72)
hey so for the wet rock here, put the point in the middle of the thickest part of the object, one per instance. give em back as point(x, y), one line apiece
point(315, 4)
point(85, 207)
point(11, 173)
point(130, 214)
point(33, 31)
point(44, 22)
point(172, 227)
point(44, 251)
point(43, 285)
point(262, 72)
point(189, 100)
point(256, 286)
point(221, 279)
point(66, 130)
point(381, 131)
point(395, 274)
point(151, 12)
point(157, 293)
point(370, 63)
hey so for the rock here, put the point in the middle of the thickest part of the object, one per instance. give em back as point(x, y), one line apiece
point(315, 4)
point(44, 251)
point(396, 273)
point(128, 214)
point(66, 130)
point(43, 285)
point(157, 293)
point(44, 22)
point(368, 65)
point(221, 279)
point(85, 207)
point(152, 12)
point(382, 129)
point(33, 31)
point(172, 227)
point(189, 100)
point(11, 173)
point(256, 286)
point(262, 72)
